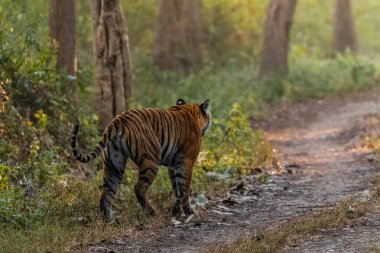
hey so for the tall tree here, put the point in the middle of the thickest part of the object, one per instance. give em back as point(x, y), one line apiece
point(344, 27)
point(113, 64)
point(62, 32)
point(178, 35)
point(274, 52)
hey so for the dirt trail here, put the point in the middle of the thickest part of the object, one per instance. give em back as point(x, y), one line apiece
point(316, 143)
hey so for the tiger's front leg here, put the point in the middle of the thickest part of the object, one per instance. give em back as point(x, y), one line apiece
point(181, 179)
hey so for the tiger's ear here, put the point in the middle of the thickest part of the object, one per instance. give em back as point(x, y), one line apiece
point(205, 106)
point(180, 101)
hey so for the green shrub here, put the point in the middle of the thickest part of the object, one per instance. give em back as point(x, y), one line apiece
point(311, 78)
point(232, 143)
point(5, 171)
point(17, 211)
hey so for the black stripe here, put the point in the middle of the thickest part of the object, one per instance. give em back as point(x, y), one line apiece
point(114, 145)
point(109, 187)
point(116, 124)
point(179, 175)
point(109, 132)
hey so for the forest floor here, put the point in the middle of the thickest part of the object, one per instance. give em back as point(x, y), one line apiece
point(319, 147)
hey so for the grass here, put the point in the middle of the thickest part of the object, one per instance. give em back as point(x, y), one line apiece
point(285, 234)
point(63, 216)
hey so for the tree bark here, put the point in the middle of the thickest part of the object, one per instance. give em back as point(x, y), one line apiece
point(112, 58)
point(344, 27)
point(62, 32)
point(178, 35)
point(274, 52)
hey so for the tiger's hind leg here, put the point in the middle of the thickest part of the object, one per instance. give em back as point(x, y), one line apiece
point(147, 173)
point(181, 181)
point(114, 167)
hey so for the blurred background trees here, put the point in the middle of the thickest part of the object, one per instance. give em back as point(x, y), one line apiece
point(178, 35)
point(62, 30)
point(187, 49)
point(344, 27)
point(112, 59)
point(274, 52)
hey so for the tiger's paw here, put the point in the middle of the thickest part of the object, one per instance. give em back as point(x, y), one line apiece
point(188, 209)
point(148, 209)
point(175, 210)
point(106, 213)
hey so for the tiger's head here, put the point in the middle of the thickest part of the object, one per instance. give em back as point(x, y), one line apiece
point(205, 115)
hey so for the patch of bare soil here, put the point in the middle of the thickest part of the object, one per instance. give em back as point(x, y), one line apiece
point(317, 144)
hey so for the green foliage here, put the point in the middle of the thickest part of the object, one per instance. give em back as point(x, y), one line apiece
point(312, 28)
point(232, 142)
point(367, 21)
point(233, 29)
point(5, 171)
point(311, 78)
point(15, 211)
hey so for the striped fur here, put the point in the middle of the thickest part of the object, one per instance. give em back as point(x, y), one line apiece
point(150, 137)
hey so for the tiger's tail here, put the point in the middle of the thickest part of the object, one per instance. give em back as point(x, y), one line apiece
point(77, 154)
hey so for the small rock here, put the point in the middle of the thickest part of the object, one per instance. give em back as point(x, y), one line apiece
point(257, 171)
point(217, 176)
point(175, 222)
point(120, 242)
point(222, 213)
point(190, 218)
point(201, 200)
point(223, 208)
point(238, 187)
point(27, 188)
point(232, 200)
point(253, 192)
point(231, 170)
point(81, 219)
point(350, 212)
point(63, 183)
point(371, 158)
point(292, 166)
point(365, 196)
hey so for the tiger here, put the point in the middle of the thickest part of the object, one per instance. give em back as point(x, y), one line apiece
point(150, 137)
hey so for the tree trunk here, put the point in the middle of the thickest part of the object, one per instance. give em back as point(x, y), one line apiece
point(112, 56)
point(274, 52)
point(178, 35)
point(62, 29)
point(344, 28)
